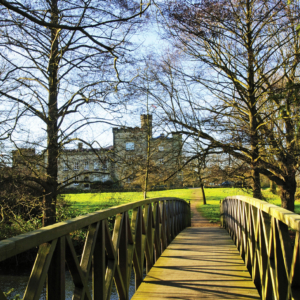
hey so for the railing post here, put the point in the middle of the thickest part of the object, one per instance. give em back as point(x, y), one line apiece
point(168, 224)
point(138, 257)
point(157, 233)
point(190, 214)
point(123, 252)
point(55, 285)
point(182, 216)
point(149, 236)
point(164, 225)
point(98, 264)
point(176, 217)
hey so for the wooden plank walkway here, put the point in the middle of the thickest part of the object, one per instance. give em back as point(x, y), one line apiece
point(200, 263)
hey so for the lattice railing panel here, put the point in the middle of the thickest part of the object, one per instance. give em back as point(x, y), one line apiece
point(109, 257)
point(261, 232)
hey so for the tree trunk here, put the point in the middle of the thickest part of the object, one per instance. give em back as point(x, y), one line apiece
point(148, 155)
point(252, 101)
point(203, 193)
point(146, 180)
point(256, 188)
point(49, 216)
point(273, 187)
point(287, 193)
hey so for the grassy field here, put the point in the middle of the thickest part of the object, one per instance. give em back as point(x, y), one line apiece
point(88, 202)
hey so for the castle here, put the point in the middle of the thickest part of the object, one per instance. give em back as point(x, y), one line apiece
point(134, 151)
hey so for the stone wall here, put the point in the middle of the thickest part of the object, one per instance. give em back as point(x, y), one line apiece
point(82, 167)
point(130, 155)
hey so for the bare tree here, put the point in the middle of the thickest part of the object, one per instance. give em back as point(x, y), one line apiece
point(242, 51)
point(66, 57)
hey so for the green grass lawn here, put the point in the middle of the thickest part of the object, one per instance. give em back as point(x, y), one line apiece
point(211, 210)
point(84, 203)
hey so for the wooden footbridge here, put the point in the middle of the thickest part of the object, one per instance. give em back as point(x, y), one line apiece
point(256, 260)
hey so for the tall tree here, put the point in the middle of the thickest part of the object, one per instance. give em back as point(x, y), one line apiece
point(241, 50)
point(67, 57)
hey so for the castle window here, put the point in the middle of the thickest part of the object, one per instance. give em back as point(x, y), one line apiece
point(161, 161)
point(76, 166)
point(130, 159)
point(129, 179)
point(96, 165)
point(104, 166)
point(96, 177)
point(66, 166)
point(160, 148)
point(76, 178)
point(105, 178)
point(86, 184)
point(66, 180)
point(86, 165)
point(129, 146)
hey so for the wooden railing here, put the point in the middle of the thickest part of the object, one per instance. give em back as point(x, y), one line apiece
point(154, 224)
point(267, 237)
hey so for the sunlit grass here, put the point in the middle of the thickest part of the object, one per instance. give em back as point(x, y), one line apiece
point(89, 202)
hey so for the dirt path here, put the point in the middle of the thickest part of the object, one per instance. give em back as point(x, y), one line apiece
point(197, 219)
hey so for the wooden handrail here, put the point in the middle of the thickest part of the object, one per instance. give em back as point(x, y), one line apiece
point(154, 224)
point(262, 233)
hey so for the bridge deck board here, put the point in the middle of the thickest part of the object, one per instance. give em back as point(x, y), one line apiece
point(200, 263)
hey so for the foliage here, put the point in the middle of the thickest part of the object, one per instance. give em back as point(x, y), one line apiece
point(297, 195)
point(20, 205)
point(19, 226)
